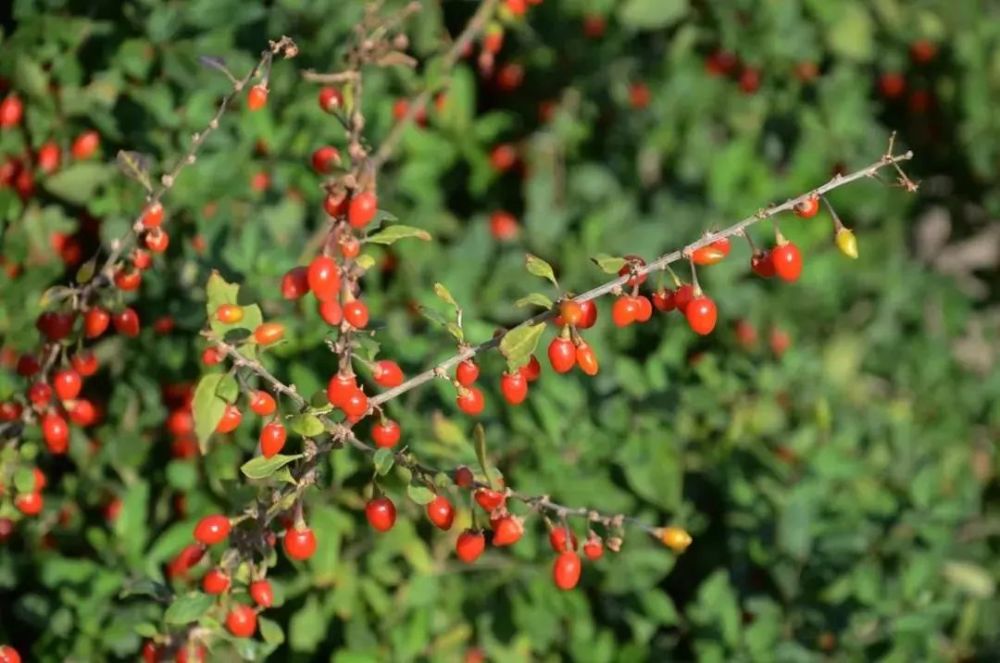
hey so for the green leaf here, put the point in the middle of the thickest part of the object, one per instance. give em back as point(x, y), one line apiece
point(228, 389)
point(188, 608)
point(306, 425)
point(221, 292)
point(420, 494)
point(270, 631)
point(457, 332)
point(609, 264)
point(651, 14)
point(78, 183)
point(393, 234)
point(24, 480)
point(383, 460)
point(445, 295)
point(970, 578)
point(207, 408)
point(519, 343)
point(365, 261)
point(145, 629)
point(30, 77)
point(261, 468)
point(853, 34)
point(534, 299)
point(86, 271)
point(539, 267)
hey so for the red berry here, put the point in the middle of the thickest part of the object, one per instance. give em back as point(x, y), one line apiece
point(362, 209)
point(356, 314)
point(350, 247)
point(386, 433)
point(470, 401)
point(711, 254)
point(56, 326)
point(11, 111)
point(490, 499)
point(532, 370)
point(892, 85)
point(10, 411)
point(157, 240)
point(27, 365)
point(503, 157)
point(355, 405)
point(30, 504)
point(340, 387)
point(127, 280)
point(141, 259)
point(335, 204)
point(85, 145)
point(503, 226)
point(593, 549)
point(787, 261)
point(40, 393)
point(683, 296)
point(150, 653)
point(633, 262)
point(663, 300)
point(272, 439)
point(257, 97)
point(127, 322)
point(589, 314)
point(323, 277)
point(49, 156)
point(507, 530)
point(701, 314)
point(67, 383)
point(470, 545)
point(441, 512)
point(566, 570)
point(762, 264)
point(586, 359)
point(55, 432)
point(387, 373)
point(749, 80)
point(152, 216)
point(463, 477)
point(211, 356)
point(643, 309)
point(215, 581)
point(212, 529)
point(324, 158)
point(83, 413)
point(808, 208)
point(229, 314)
point(262, 593)
point(923, 51)
point(514, 387)
point(242, 620)
point(624, 311)
point(268, 333)
point(331, 312)
point(570, 313)
point(562, 539)
point(381, 513)
point(231, 418)
point(263, 403)
point(299, 544)
point(466, 372)
point(639, 95)
point(562, 354)
point(295, 283)
point(330, 99)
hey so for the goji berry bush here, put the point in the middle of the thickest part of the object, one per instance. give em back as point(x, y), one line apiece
point(509, 330)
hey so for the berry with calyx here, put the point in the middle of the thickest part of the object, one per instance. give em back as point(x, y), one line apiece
point(562, 354)
point(386, 434)
point(152, 216)
point(514, 387)
point(157, 240)
point(257, 97)
point(507, 530)
point(299, 543)
point(470, 545)
point(387, 373)
point(466, 372)
point(262, 593)
point(808, 208)
point(762, 264)
point(325, 158)
point(490, 499)
point(95, 322)
point(381, 513)
point(561, 539)
point(242, 621)
point(593, 548)
point(215, 581)
point(570, 313)
point(470, 400)
point(633, 262)
point(787, 260)
point(340, 388)
point(663, 300)
point(330, 99)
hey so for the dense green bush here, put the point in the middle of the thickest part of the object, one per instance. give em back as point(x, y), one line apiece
point(831, 447)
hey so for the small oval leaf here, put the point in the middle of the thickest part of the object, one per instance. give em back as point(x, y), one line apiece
point(393, 234)
point(519, 343)
point(539, 267)
point(261, 467)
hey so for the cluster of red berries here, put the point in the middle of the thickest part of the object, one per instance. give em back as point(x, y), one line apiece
point(721, 63)
point(893, 85)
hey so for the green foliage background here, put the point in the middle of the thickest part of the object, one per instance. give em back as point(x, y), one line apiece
point(842, 497)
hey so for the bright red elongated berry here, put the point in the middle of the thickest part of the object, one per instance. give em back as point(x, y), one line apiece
point(514, 387)
point(624, 311)
point(268, 333)
point(570, 313)
point(212, 529)
point(128, 280)
point(27, 365)
point(150, 653)
point(299, 544)
point(324, 278)
point(463, 477)
point(466, 372)
point(325, 158)
point(10, 411)
point(257, 97)
point(335, 204)
point(381, 513)
point(507, 530)
point(566, 570)
point(211, 356)
point(83, 413)
point(49, 156)
point(350, 246)
point(152, 216)
point(215, 581)
point(562, 354)
point(643, 309)
point(470, 545)
point(230, 421)
point(331, 312)
point(586, 359)
point(634, 262)
point(701, 314)
point(11, 111)
point(141, 259)
point(503, 226)
point(242, 620)
point(263, 403)
point(362, 209)
point(589, 314)
point(157, 240)
point(787, 261)
point(808, 208)
point(683, 296)
point(712, 254)
point(30, 504)
point(340, 387)
point(663, 300)
point(441, 512)
point(85, 145)
point(470, 400)
point(355, 405)
point(562, 539)
point(55, 432)
point(386, 433)
point(191, 652)
point(126, 322)
point(330, 99)
point(762, 264)
point(272, 439)
point(229, 314)
point(295, 283)
point(387, 373)
point(490, 499)
point(593, 549)
point(503, 157)
point(67, 384)
point(40, 393)
point(356, 314)
point(532, 370)
point(262, 593)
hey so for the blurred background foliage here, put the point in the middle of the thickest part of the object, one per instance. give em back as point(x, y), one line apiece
point(833, 453)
